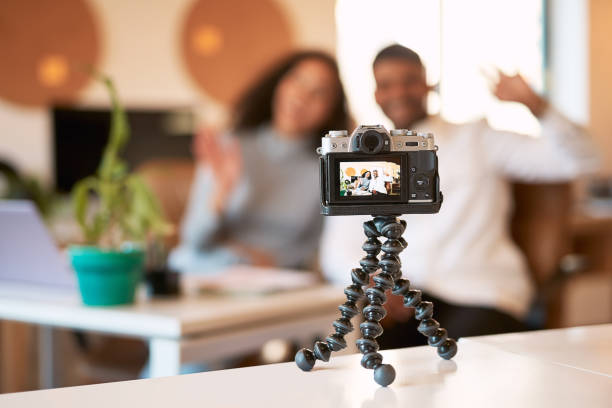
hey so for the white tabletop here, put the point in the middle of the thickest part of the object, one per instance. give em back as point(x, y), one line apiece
point(481, 375)
point(587, 348)
point(172, 318)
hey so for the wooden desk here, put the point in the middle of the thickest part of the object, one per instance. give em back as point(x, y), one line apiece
point(189, 329)
point(483, 374)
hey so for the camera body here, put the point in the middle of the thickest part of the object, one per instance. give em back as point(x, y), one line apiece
point(376, 172)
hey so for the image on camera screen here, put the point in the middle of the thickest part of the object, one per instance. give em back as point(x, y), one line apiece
point(369, 178)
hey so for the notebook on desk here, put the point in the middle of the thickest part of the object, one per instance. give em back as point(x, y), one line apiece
point(248, 280)
point(28, 254)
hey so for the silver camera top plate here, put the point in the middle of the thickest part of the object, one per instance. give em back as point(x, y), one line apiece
point(400, 140)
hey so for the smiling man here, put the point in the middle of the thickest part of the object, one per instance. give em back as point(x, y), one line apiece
point(463, 258)
point(377, 184)
point(401, 86)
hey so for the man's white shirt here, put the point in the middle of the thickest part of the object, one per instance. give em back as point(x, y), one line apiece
point(464, 254)
point(378, 184)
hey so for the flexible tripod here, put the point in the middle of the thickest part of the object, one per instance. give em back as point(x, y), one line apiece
point(392, 228)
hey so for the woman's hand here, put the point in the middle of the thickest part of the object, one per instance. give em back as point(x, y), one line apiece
point(224, 158)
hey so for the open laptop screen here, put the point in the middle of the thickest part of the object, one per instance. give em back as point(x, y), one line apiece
point(27, 251)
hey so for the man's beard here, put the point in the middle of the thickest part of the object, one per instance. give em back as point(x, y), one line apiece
point(417, 113)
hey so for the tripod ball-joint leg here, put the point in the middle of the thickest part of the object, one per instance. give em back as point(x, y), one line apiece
point(429, 327)
point(392, 229)
point(305, 359)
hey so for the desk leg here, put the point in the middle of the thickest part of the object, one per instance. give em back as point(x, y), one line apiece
point(164, 357)
point(46, 363)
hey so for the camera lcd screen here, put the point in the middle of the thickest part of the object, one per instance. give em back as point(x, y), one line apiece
point(376, 179)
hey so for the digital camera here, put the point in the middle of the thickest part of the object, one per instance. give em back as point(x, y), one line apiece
point(376, 172)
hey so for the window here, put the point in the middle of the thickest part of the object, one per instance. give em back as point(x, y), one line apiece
point(456, 40)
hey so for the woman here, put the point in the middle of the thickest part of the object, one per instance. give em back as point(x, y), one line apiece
point(255, 198)
point(363, 183)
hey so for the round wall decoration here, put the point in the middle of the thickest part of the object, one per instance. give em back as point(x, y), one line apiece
point(227, 44)
point(46, 46)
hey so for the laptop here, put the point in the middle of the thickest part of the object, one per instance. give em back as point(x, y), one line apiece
point(28, 254)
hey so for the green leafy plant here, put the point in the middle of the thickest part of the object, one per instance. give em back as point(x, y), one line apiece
point(125, 209)
point(16, 186)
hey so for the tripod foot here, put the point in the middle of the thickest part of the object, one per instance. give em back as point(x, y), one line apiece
point(384, 374)
point(305, 359)
point(448, 349)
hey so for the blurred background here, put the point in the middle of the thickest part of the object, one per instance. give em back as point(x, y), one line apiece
point(181, 65)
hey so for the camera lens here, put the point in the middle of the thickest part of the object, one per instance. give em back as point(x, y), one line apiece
point(371, 142)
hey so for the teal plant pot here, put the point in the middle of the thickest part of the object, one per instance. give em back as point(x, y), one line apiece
point(107, 277)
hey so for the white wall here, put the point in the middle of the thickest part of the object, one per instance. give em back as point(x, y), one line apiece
point(140, 51)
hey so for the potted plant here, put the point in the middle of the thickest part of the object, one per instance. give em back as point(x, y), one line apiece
point(117, 224)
